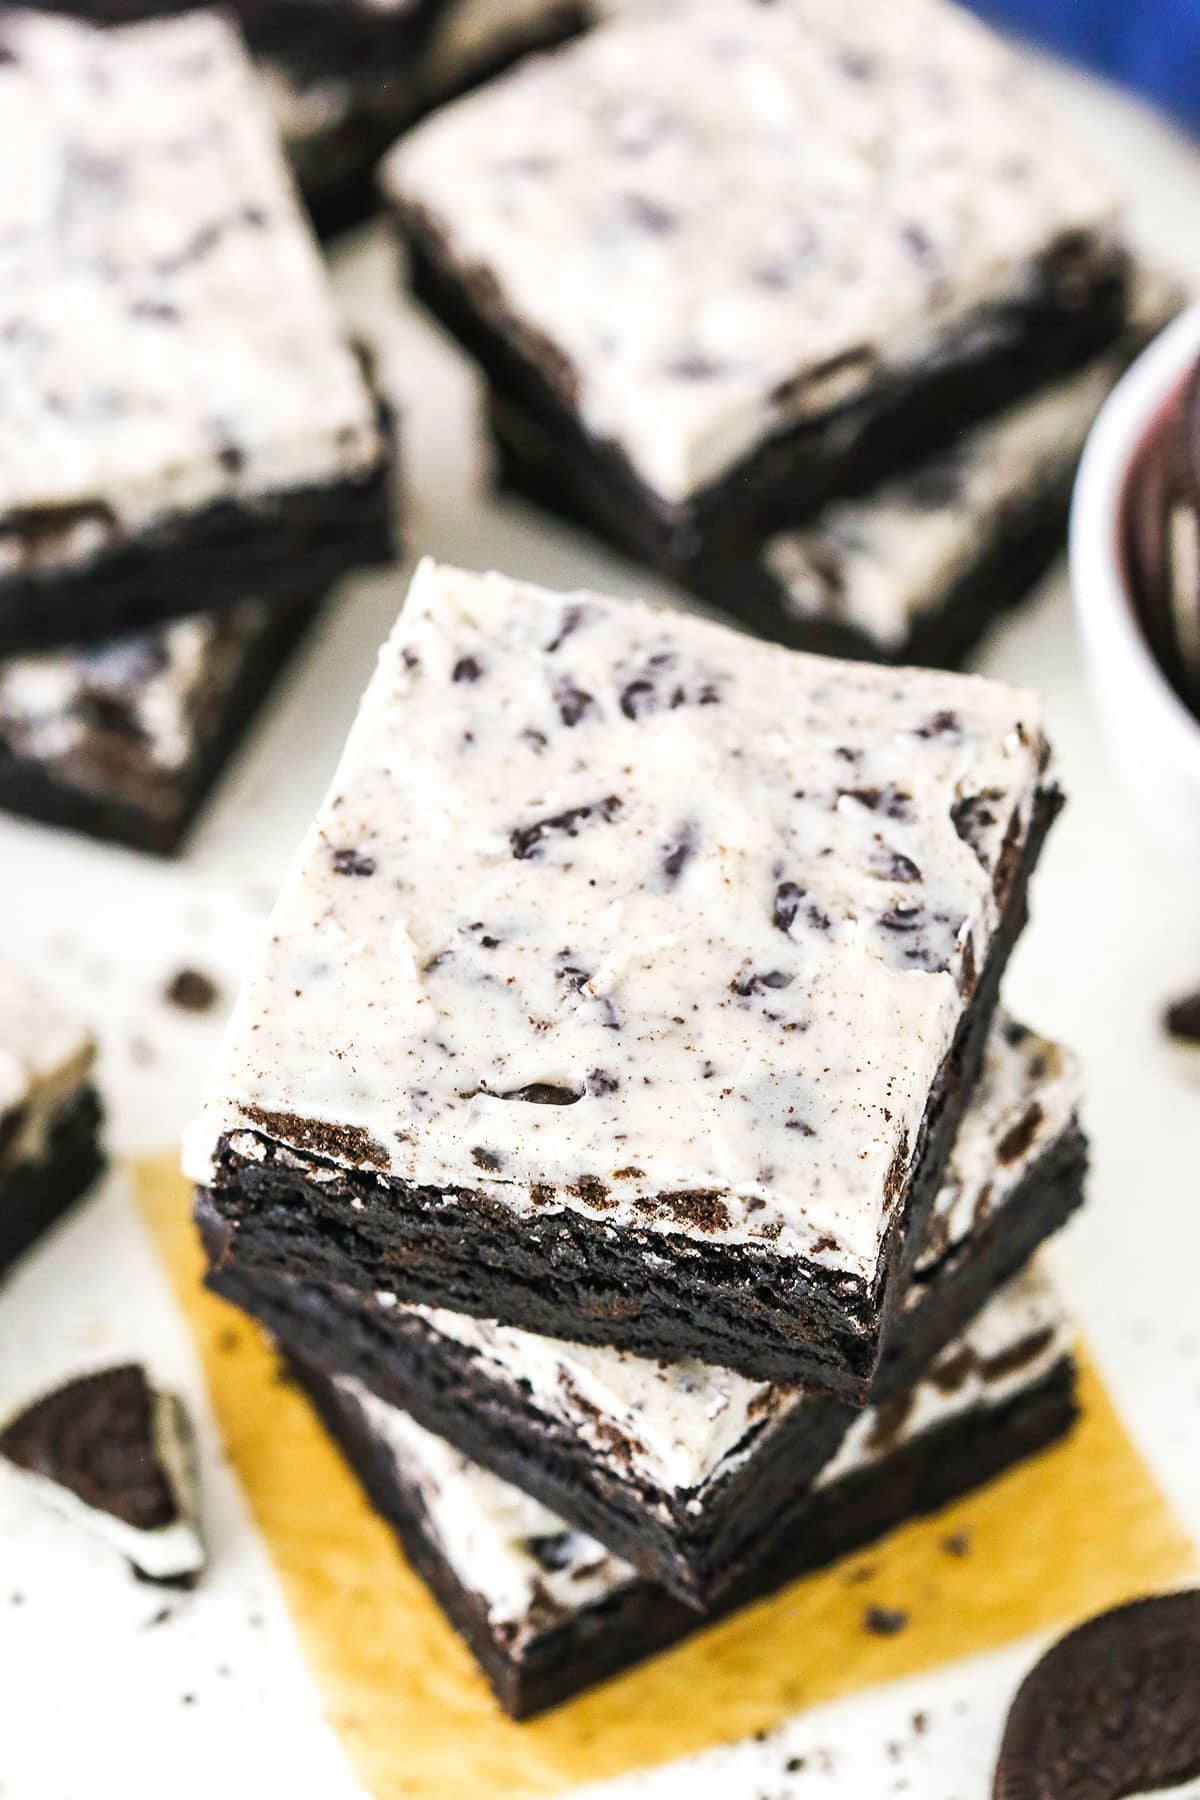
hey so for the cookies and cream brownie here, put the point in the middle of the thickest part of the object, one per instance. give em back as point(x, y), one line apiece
point(123, 738)
point(682, 1468)
point(631, 981)
point(733, 256)
point(49, 1113)
point(183, 421)
point(547, 1611)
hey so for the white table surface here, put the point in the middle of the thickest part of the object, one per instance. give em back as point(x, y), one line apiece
point(94, 1700)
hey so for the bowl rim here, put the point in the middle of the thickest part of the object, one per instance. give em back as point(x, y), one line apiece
point(1100, 592)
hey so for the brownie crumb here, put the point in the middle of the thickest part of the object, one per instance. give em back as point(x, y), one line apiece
point(884, 1621)
point(192, 991)
point(1182, 1020)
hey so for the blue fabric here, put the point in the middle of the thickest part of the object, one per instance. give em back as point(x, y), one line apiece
point(1152, 46)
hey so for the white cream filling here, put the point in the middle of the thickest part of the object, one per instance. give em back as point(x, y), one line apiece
point(724, 897)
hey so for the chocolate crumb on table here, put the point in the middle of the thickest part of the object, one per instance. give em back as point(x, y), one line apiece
point(192, 991)
point(564, 1020)
point(221, 431)
point(547, 1611)
point(686, 1470)
point(723, 312)
point(49, 1112)
point(884, 1621)
point(115, 1454)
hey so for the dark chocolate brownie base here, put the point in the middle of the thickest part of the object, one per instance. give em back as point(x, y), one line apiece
point(203, 561)
point(640, 1620)
point(34, 1195)
point(566, 1276)
point(153, 813)
point(314, 42)
point(528, 464)
point(1074, 308)
point(695, 1555)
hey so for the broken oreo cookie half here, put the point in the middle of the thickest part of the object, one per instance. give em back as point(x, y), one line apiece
point(1111, 1710)
point(116, 1454)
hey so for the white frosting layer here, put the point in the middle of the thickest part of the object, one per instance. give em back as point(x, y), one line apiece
point(45, 1056)
point(709, 892)
point(684, 1425)
point(490, 1532)
point(169, 335)
point(154, 681)
point(732, 217)
point(882, 562)
point(499, 1542)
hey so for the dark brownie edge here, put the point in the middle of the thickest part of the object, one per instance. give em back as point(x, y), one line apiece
point(1025, 547)
point(35, 1195)
point(205, 561)
point(317, 42)
point(1076, 307)
point(490, 1420)
point(568, 1276)
point(156, 815)
point(641, 1620)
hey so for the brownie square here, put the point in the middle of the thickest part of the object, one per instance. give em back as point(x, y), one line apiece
point(49, 1112)
point(631, 982)
point(548, 1612)
point(124, 738)
point(688, 1471)
point(184, 423)
point(737, 258)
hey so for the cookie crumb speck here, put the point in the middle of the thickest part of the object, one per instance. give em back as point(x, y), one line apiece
point(192, 991)
point(884, 1621)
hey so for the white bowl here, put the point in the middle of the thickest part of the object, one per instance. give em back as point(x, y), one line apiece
point(1154, 738)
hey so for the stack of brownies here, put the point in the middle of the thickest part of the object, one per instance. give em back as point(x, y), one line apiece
point(809, 306)
point(190, 452)
point(618, 1131)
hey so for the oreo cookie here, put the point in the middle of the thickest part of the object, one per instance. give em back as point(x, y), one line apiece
point(113, 1453)
point(1112, 1710)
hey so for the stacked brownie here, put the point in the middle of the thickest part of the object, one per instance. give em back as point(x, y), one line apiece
point(190, 452)
point(618, 1132)
point(809, 306)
